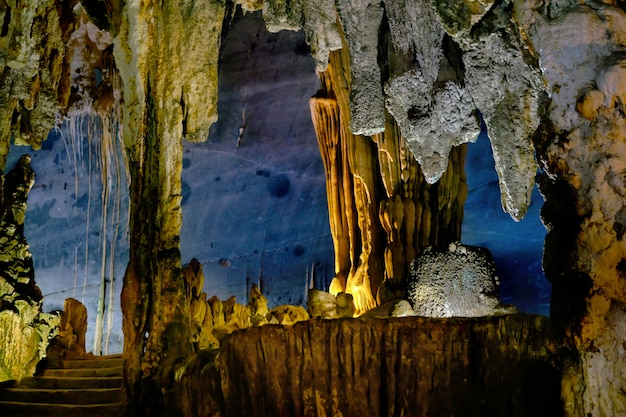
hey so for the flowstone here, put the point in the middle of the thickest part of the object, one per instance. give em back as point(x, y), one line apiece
point(456, 282)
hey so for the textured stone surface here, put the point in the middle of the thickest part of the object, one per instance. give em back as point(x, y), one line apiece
point(431, 121)
point(581, 148)
point(378, 367)
point(361, 20)
point(417, 34)
point(282, 15)
point(509, 93)
point(321, 30)
point(34, 70)
point(460, 16)
point(24, 330)
point(459, 281)
point(166, 54)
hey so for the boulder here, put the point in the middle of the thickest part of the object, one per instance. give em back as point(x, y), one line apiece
point(459, 281)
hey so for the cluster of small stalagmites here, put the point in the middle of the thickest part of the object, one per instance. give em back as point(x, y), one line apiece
point(213, 318)
point(24, 329)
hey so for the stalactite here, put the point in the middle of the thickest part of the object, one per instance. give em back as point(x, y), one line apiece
point(382, 212)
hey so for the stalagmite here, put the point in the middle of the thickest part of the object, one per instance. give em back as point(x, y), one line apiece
point(362, 212)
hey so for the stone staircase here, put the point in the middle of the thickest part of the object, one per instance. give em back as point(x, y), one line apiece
point(85, 387)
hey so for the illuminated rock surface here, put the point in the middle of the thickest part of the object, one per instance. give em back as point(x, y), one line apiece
point(379, 367)
point(24, 329)
point(543, 77)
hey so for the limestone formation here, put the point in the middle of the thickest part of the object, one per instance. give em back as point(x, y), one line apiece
point(459, 281)
point(167, 55)
point(361, 22)
point(431, 63)
point(409, 366)
point(392, 308)
point(282, 15)
point(321, 30)
point(34, 70)
point(25, 330)
point(510, 109)
point(581, 148)
point(424, 93)
point(431, 121)
point(69, 342)
point(377, 233)
point(288, 314)
point(321, 304)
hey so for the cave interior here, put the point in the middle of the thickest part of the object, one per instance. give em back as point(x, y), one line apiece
point(291, 207)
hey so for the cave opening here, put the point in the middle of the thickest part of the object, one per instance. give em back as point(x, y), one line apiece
point(77, 223)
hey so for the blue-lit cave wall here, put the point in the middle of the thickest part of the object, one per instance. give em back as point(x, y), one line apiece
point(73, 245)
point(254, 197)
point(517, 247)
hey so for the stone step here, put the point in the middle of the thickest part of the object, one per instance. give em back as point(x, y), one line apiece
point(84, 372)
point(56, 382)
point(111, 361)
point(16, 408)
point(61, 396)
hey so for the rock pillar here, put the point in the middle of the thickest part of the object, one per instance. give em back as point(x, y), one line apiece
point(167, 56)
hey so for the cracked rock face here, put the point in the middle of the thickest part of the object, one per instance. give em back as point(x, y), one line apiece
point(24, 329)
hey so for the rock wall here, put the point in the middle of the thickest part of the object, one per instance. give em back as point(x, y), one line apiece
point(34, 69)
point(581, 148)
point(24, 330)
point(166, 54)
point(377, 367)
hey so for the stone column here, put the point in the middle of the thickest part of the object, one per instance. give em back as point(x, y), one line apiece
point(167, 56)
